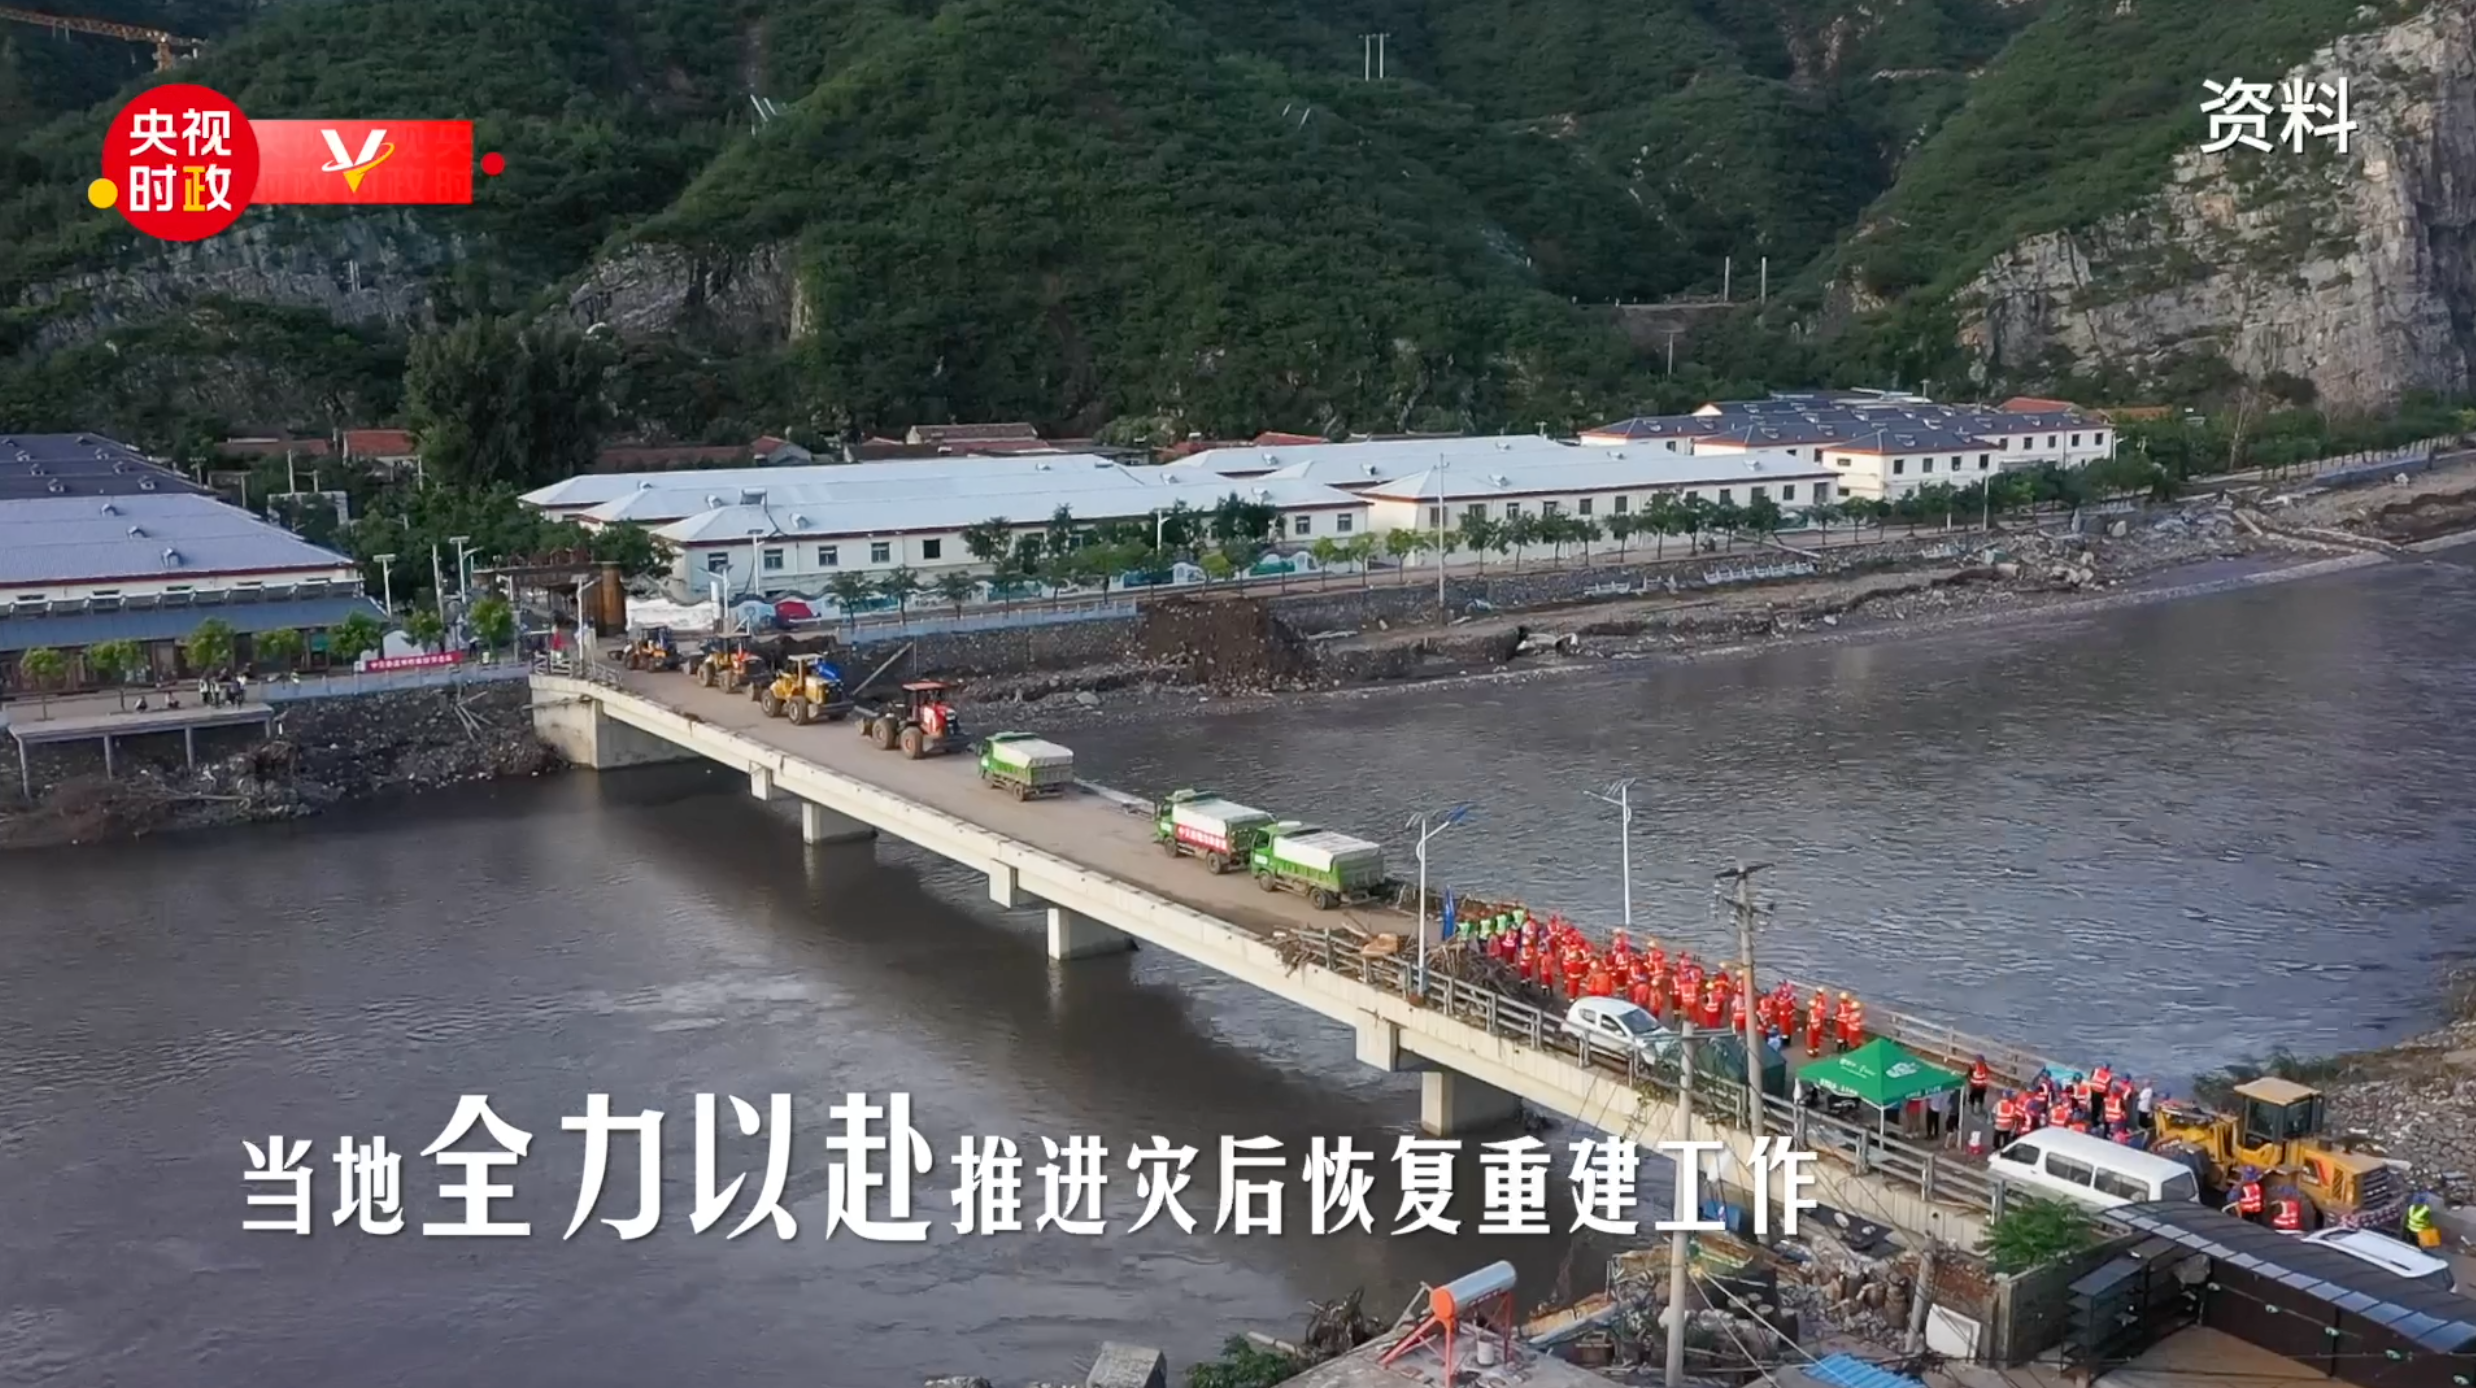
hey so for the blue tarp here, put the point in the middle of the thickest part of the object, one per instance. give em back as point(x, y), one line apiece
point(1849, 1371)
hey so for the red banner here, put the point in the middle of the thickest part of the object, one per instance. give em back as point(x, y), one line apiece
point(413, 662)
point(369, 162)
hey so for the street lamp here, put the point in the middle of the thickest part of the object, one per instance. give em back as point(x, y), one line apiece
point(584, 634)
point(386, 581)
point(1620, 794)
point(1429, 824)
point(464, 554)
point(1441, 464)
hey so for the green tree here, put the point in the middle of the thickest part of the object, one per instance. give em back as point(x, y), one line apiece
point(1478, 533)
point(115, 663)
point(425, 627)
point(898, 585)
point(630, 546)
point(957, 587)
point(494, 621)
point(1663, 518)
point(283, 646)
point(1763, 515)
point(1724, 518)
point(1824, 514)
point(496, 402)
point(1327, 551)
point(989, 540)
point(347, 639)
point(41, 669)
point(210, 645)
point(1061, 531)
point(2032, 1232)
point(1217, 566)
point(1244, 1364)
point(1029, 549)
point(1621, 528)
point(1361, 550)
point(1403, 543)
point(852, 592)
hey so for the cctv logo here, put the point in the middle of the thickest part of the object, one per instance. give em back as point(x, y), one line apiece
point(354, 168)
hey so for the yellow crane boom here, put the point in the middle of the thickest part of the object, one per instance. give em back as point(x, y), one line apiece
point(169, 48)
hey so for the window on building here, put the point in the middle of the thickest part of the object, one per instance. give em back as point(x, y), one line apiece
point(1822, 492)
point(1899, 466)
point(1843, 460)
point(1582, 507)
point(1549, 508)
point(932, 549)
point(828, 557)
point(1761, 492)
point(1788, 491)
point(773, 561)
point(1475, 511)
point(2050, 440)
point(718, 563)
point(2098, 439)
point(2076, 440)
point(1924, 465)
point(1435, 517)
point(1727, 496)
point(1304, 525)
point(1512, 509)
point(176, 587)
point(1623, 504)
point(1341, 523)
point(1983, 459)
point(880, 551)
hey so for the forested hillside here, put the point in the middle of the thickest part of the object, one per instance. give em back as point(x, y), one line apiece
point(1143, 217)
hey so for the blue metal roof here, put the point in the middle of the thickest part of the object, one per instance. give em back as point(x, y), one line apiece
point(75, 630)
point(1849, 1371)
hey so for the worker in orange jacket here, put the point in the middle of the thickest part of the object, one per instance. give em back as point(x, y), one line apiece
point(1816, 1018)
point(1852, 1023)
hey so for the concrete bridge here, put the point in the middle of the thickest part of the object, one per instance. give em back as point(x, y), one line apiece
point(1089, 859)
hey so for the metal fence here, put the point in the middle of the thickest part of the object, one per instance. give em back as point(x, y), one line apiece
point(1030, 613)
point(383, 681)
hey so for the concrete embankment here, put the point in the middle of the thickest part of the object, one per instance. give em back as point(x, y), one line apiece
point(318, 752)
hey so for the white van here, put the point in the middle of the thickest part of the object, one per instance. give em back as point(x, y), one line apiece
point(2390, 1255)
point(2090, 1171)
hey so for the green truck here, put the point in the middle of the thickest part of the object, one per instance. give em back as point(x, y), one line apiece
point(1199, 824)
point(1326, 867)
point(1025, 765)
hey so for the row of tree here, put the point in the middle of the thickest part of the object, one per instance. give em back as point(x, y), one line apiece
point(213, 646)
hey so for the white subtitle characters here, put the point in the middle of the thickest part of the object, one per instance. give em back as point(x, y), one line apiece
point(279, 1165)
point(1249, 1207)
point(1070, 1193)
point(597, 1124)
point(208, 134)
point(1772, 1155)
point(152, 133)
point(477, 1190)
point(1686, 1212)
point(2239, 114)
point(1605, 1173)
point(711, 1205)
point(905, 1154)
point(1513, 1186)
point(988, 1186)
point(1337, 1184)
point(369, 1185)
point(1425, 1168)
point(1160, 1173)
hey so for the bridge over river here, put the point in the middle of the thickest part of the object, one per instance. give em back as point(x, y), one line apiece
point(1088, 858)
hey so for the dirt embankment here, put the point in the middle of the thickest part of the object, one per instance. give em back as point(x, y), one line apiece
point(323, 752)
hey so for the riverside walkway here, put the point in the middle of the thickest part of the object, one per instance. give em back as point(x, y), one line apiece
point(1088, 857)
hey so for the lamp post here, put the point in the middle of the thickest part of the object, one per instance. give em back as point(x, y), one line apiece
point(1429, 824)
point(585, 635)
point(1620, 794)
point(464, 555)
point(386, 581)
point(1441, 464)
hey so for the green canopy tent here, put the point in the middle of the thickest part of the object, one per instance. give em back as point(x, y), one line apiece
point(1881, 1074)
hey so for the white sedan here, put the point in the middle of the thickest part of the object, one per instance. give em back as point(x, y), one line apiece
point(1614, 1024)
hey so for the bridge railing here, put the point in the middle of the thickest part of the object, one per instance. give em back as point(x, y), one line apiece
point(1937, 1175)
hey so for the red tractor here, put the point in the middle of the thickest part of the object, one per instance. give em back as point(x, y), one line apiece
point(924, 725)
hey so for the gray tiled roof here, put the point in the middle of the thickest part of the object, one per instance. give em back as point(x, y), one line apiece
point(39, 465)
point(88, 539)
point(71, 631)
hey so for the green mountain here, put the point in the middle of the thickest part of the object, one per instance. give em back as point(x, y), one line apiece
point(1146, 217)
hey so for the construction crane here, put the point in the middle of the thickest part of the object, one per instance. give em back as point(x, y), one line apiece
point(169, 48)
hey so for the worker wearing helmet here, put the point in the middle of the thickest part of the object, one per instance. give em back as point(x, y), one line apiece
point(1852, 1023)
point(1815, 1019)
point(2421, 1230)
point(1980, 1076)
point(2287, 1212)
point(2245, 1200)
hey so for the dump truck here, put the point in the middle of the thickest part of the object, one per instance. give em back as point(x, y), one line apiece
point(2278, 1131)
point(1026, 765)
point(1325, 866)
point(1199, 824)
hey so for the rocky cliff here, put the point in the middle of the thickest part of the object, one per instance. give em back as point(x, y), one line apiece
point(2356, 272)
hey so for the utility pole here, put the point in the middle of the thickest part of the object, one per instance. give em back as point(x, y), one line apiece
point(1766, 279)
point(1380, 38)
point(1747, 912)
point(1727, 278)
point(1620, 795)
point(1441, 465)
point(1367, 57)
point(438, 584)
point(1678, 1254)
point(1672, 351)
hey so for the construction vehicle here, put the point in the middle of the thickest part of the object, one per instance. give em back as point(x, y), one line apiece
point(768, 654)
point(2278, 1129)
point(924, 724)
point(728, 666)
point(1199, 824)
point(805, 690)
point(651, 649)
point(1326, 867)
point(170, 48)
point(1026, 765)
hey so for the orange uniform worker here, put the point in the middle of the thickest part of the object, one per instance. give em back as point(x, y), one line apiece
point(2287, 1213)
point(2007, 1118)
point(1852, 1023)
point(1815, 1019)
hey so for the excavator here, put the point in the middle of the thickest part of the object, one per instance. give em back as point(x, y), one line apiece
point(806, 689)
point(2277, 1130)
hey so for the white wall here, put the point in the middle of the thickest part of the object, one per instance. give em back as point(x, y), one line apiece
point(173, 583)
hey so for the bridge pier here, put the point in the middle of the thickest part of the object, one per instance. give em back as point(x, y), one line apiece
point(1379, 1044)
point(1451, 1104)
point(1073, 935)
point(1005, 885)
point(821, 825)
point(584, 736)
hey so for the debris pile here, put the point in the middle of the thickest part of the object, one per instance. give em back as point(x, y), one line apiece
point(2417, 1100)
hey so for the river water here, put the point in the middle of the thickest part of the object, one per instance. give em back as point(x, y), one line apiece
point(2197, 830)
